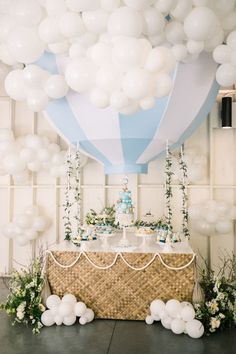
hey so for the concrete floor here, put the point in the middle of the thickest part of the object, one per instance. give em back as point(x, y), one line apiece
point(107, 336)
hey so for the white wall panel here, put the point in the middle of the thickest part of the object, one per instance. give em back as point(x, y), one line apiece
point(99, 190)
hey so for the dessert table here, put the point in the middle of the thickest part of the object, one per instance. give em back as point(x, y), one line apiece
point(119, 282)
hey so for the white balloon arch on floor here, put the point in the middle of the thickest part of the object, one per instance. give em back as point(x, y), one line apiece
point(121, 53)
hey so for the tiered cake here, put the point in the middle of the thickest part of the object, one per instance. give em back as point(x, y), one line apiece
point(124, 207)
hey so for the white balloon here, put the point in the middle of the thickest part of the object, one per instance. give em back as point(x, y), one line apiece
point(179, 51)
point(4, 70)
point(166, 322)
point(61, 47)
point(21, 178)
point(108, 78)
point(224, 227)
point(82, 321)
point(55, 7)
point(80, 74)
point(65, 309)
point(43, 154)
point(228, 22)
point(33, 75)
point(222, 53)
point(99, 98)
point(7, 23)
point(174, 32)
point(83, 5)
point(211, 216)
point(231, 40)
point(26, 12)
point(58, 320)
point(213, 42)
point(53, 301)
point(130, 109)
point(157, 39)
point(5, 56)
point(87, 39)
point(23, 221)
point(226, 74)
point(222, 208)
point(180, 9)
point(118, 100)
point(163, 85)
point(27, 154)
point(71, 25)
point(129, 52)
point(201, 24)
point(194, 329)
point(47, 318)
point(80, 309)
point(49, 30)
point(147, 102)
point(22, 240)
point(154, 21)
point(15, 86)
point(69, 298)
point(203, 227)
point(186, 303)
point(173, 308)
point(156, 60)
point(187, 313)
point(110, 5)
point(25, 45)
point(177, 326)
point(34, 166)
point(39, 223)
point(89, 315)
point(56, 86)
point(138, 4)
point(195, 47)
point(12, 164)
point(165, 5)
point(76, 51)
point(223, 7)
point(101, 53)
point(149, 320)
point(9, 230)
point(136, 83)
point(69, 320)
point(37, 99)
point(233, 58)
point(125, 21)
point(33, 141)
point(95, 21)
point(157, 307)
point(30, 234)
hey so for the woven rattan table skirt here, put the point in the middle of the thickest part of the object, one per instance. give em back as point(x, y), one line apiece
point(121, 292)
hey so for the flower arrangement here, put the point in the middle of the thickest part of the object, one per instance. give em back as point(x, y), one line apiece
point(153, 225)
point(24, 301)
point(105, 218)
point(218, 311)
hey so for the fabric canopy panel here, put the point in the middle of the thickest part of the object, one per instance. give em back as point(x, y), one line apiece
point(126, 144)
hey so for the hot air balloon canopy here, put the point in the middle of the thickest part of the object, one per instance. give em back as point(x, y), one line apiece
point(126, 144)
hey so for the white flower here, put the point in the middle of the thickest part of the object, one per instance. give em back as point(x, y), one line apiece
point(221, 315)
point(21, 307)
point(20, 315)
point(220, 296)
point(215, 323)
point(213, 305)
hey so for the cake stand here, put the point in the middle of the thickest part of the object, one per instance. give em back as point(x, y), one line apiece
point(145, 237)
point(105, 238)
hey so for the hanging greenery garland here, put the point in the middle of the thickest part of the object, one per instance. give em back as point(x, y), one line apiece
point(68, 204)
point(77, 194)
point(168, 188)
point(183, 187)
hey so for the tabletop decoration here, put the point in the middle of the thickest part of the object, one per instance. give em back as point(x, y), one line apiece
point(24, 303)
point(177, 316)
point(26, 226)
point(218, 310)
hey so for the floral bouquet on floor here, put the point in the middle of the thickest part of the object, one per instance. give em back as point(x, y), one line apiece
point(24, 301)
point(218, 311)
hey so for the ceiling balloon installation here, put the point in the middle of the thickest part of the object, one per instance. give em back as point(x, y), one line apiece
point(120, 60)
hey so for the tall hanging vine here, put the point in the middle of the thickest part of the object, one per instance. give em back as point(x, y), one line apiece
point(168, 188)
point(72, 195)
point(183, 187)
point(68, 204)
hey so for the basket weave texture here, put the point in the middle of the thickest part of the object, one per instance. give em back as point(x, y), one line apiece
point(121, 292)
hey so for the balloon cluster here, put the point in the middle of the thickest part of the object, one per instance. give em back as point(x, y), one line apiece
point(65, 311)
point(120, 52)
point(30, 153)
point(196, 164)
point(177, 316)
point(212, 217)
point(225, 54)
point(26, 226)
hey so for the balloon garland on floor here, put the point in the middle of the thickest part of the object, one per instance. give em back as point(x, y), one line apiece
point(177, 316)
point(65, 310)
point(120, 53)
point(25, 227)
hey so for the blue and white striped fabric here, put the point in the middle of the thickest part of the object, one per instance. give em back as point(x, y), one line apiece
point(126, 144)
